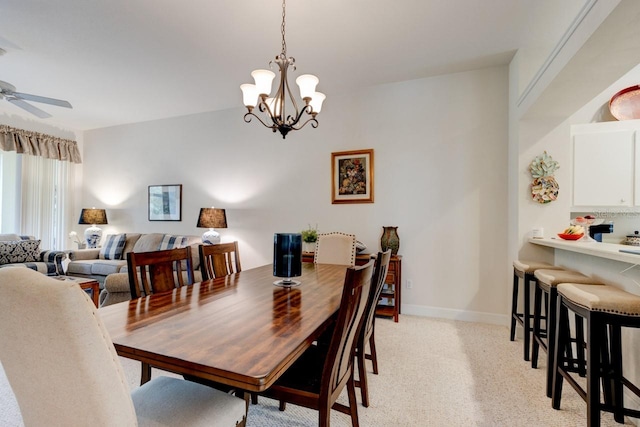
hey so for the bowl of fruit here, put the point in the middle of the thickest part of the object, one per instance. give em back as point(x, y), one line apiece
point(586, 220)
point(573, 232)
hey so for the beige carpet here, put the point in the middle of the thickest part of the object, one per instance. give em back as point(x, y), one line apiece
point(432, 373)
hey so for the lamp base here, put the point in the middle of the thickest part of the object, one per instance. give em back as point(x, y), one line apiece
point(287, 283)
point(92, 235)
point(211, 237)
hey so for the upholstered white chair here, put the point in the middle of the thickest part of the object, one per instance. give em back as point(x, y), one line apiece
point(335, 248)
point(64, 370)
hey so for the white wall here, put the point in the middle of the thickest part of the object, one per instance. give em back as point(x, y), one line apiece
point(440, 154)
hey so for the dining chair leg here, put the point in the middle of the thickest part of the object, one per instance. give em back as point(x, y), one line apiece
point(353, 406)
point(324, 415)
point(374, 354)
point(283, 405)
point(362, 377)
point(254, 398)
point(145, 374)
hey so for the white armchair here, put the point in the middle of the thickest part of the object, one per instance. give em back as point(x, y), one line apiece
point(64, 369)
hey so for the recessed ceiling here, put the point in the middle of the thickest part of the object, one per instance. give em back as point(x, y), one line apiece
point(123, 61)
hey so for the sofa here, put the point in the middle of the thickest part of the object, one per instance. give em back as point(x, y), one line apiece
point(24, 251)
point(108, 264)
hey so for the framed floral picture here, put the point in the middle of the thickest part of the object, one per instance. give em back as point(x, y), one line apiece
point(352, 176)
point(165, 202)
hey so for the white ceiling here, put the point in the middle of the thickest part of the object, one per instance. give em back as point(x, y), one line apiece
point(124, 61)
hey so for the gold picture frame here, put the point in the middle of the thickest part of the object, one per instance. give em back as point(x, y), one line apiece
point(352, 176)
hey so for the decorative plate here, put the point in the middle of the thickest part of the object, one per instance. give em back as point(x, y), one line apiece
point(625, 105)
point(544, 189)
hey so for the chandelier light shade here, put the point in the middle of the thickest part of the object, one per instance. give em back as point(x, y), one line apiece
point(212, 218)
point(280, 112)
point(93, 217)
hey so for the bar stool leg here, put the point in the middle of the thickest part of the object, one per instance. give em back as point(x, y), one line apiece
point(580, 346)
point(595, 332)
point(537, 307)
point(615, 363)
point(559, 357)
point(552, 326)
point(514, 306)
point(526, 315)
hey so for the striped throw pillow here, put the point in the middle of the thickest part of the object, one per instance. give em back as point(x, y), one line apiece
point(113, 246)
point(172, 242)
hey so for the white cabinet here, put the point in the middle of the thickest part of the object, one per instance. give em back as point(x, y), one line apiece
point(604, 162)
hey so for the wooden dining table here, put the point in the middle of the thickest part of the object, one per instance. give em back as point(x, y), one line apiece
point(239, 330)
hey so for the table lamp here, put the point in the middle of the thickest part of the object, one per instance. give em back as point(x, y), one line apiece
point(211, 218)
point(287, 258)
point(93, 217)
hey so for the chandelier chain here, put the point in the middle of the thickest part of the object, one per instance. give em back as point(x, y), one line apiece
point(284, 43)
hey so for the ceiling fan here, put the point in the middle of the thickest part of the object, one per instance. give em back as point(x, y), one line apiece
point(8, 92)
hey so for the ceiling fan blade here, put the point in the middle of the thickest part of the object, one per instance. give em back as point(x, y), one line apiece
point(30, 108)
point(42, 99)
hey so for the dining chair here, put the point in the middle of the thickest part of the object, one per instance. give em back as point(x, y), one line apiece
point(158, 271)
point(335, 248)
point(64, 369)
point(367, 328)
point(219, 260)
point(319, 375)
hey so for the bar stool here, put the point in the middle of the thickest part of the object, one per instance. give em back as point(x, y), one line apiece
point(546, 283)
point(524, 270)
point(605, 309)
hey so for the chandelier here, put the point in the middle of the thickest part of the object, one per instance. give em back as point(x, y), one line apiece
point(281, 112)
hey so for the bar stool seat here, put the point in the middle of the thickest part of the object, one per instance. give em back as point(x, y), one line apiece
point(546, 283)
point(524, 270)
point(607, 309)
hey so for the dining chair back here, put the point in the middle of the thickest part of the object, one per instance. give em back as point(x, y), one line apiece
point(319, 376)
point(64, 369)
point(159, 271)
point(368, 324)
point(219, 260)
point(335, 248)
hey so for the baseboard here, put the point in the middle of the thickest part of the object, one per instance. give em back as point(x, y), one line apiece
point(451, 314)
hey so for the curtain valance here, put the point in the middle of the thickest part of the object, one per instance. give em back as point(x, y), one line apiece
point(38, 144)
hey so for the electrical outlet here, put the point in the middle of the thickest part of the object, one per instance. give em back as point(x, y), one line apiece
point(409, 284)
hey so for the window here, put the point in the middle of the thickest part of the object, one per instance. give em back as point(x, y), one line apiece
point(35, 195)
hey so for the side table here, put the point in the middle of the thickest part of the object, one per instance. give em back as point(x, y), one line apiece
point(90, 286)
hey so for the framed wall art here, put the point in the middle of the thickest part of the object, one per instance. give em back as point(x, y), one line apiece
point(165, 202)
point(352, 176)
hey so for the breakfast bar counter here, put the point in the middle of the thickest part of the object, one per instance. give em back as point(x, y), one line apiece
point(596, 249)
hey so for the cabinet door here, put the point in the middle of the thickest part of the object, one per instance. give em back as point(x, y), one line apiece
point(603, 165)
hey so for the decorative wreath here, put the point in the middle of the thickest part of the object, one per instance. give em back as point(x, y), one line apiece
point(544, 187)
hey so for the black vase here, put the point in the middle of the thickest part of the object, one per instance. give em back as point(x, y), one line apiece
point(390, 239)
point(287, 256)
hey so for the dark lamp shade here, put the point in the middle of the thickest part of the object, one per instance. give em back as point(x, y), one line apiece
point(212, 218)
point(93, 216)
point(287, 254)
